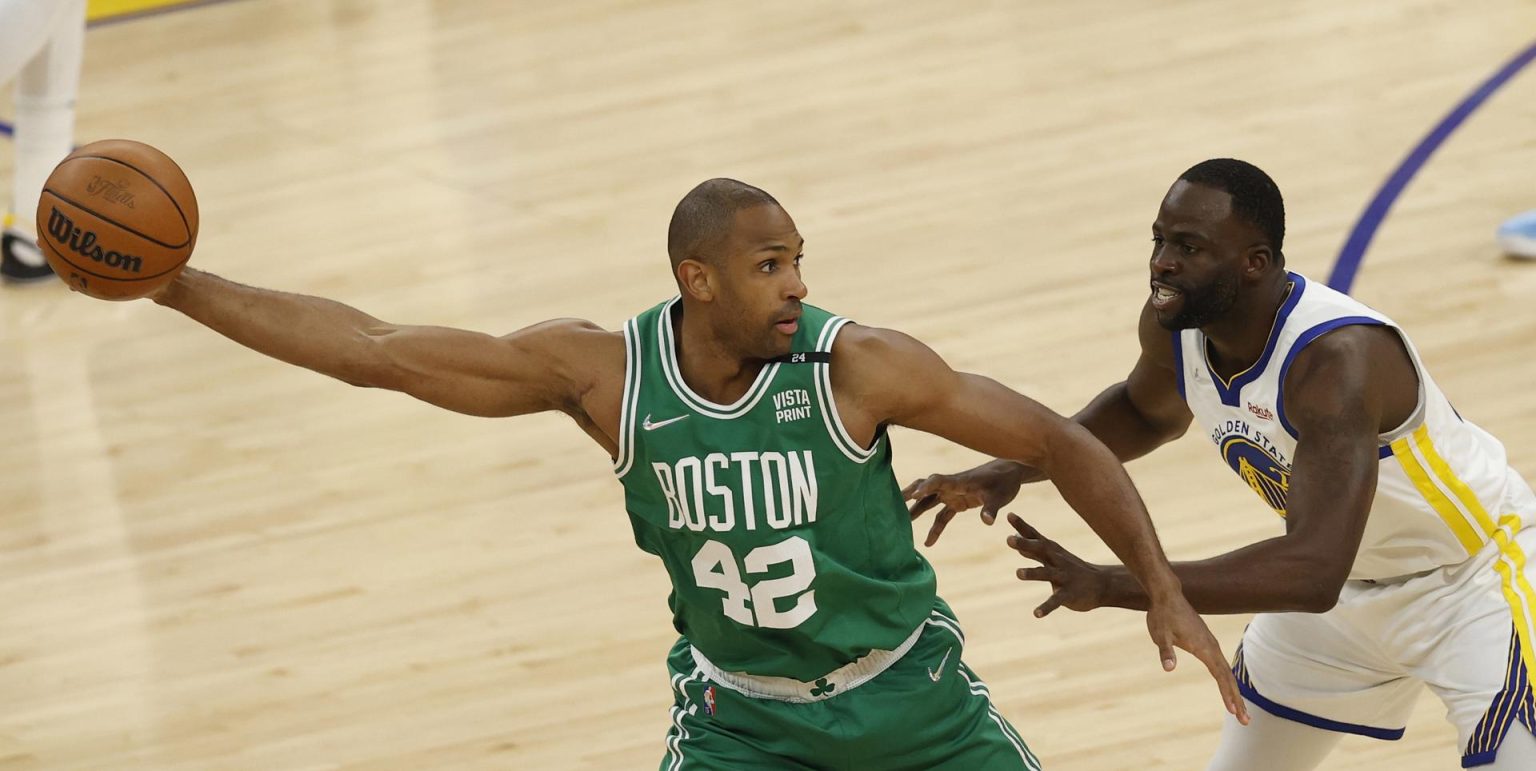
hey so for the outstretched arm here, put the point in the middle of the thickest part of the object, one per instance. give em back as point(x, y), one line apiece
point(1132, 418)
point(1337, 393)
point(893, 378)
point(549, 366)
point(887, 377)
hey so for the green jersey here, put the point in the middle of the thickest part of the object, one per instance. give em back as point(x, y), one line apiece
point(789, 545)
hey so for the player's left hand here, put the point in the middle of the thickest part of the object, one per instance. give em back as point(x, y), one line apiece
point(1076, 584)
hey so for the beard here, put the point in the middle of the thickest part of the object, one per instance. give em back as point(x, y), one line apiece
point(1204, 305)
point(750, 335)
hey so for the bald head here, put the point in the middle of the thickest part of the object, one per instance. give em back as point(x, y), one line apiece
point(702, 220)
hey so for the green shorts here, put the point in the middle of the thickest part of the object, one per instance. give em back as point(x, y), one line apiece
point(927, 711)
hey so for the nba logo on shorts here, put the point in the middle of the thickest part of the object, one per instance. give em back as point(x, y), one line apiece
point(709, 700)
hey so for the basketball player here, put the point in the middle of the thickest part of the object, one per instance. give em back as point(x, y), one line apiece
point(1406, 533)
point(41, 42)
point(749, 432)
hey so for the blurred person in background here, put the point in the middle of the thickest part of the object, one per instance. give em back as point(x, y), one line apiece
point(41, 44)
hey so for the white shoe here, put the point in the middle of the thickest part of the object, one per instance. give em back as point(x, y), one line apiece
point(1517, 236)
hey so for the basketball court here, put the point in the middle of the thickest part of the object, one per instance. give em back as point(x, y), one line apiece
point(211, 560)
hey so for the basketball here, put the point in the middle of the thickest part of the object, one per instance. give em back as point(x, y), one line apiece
point(117, 219)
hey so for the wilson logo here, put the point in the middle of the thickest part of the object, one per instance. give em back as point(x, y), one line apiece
point(115, 192)
point(84, 243)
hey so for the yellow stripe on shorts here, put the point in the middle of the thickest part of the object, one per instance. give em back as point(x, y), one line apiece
point(1510, 564)
point(1511, 568)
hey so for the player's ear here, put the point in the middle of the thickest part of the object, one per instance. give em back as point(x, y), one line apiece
point(1258, 260)
point(696, 279)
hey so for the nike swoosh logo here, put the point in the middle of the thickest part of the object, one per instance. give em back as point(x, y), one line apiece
point(934, 676)
point(649, 426)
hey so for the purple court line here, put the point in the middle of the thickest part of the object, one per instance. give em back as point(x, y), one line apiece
point(1347, 265)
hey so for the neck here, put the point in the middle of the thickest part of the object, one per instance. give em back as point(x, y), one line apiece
point(707, 365)
point(1237, 340)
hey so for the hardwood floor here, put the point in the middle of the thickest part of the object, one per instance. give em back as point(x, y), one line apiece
point(210, 560)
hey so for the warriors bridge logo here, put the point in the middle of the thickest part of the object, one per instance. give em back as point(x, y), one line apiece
point(1253, 458)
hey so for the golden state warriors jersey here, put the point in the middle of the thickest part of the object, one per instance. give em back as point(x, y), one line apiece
point(1444, 488)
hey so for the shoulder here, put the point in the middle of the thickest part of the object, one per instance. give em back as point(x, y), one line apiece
point(1355, 373)
point(1350, 350)
point(873, 350)
point(577, 351)
point(887, 375)
point(562, 335)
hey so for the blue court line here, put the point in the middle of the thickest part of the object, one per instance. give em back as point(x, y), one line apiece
point(1349, 259)
point(1347, 265)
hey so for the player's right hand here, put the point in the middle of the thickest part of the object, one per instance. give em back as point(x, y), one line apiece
point(990, 486)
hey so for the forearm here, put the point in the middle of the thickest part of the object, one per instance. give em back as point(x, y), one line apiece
point(1271, 576)
point(1094, 484)
point(1113, 419)
point(1332, 485)
point(311, 332)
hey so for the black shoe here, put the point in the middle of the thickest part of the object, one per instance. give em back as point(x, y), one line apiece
point(15, 270)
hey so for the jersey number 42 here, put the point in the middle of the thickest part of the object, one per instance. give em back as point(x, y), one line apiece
point(714, 567)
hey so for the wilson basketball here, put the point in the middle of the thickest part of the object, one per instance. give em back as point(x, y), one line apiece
point(117, 219)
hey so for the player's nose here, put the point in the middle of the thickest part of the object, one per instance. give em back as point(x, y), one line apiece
point(796, 288)
point(1164, 263)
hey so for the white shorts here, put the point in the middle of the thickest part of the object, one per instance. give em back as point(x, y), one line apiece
point(1463, 630)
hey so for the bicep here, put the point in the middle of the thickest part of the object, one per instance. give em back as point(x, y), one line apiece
point(1153, 391)
point(910, 385)
point(1331, 401)
point(1153, 385)
point(989, 417)
point(543, 367)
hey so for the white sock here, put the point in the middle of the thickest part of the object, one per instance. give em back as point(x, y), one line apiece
point(46, 89)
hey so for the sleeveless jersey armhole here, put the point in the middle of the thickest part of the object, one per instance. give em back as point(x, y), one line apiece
point(834, 423)
point(1421, 403)
point(1178, 361)
point(633, 365)
point(1311, 334)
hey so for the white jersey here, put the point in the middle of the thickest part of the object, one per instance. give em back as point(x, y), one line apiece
point(1444, 487)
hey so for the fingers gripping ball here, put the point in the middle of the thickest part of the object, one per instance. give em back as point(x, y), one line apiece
point(117, 219)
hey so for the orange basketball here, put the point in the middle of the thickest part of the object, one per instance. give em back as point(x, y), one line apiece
point(117, 219)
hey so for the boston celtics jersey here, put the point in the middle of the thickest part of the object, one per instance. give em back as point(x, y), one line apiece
point(789, 545)
point(1444, 486)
